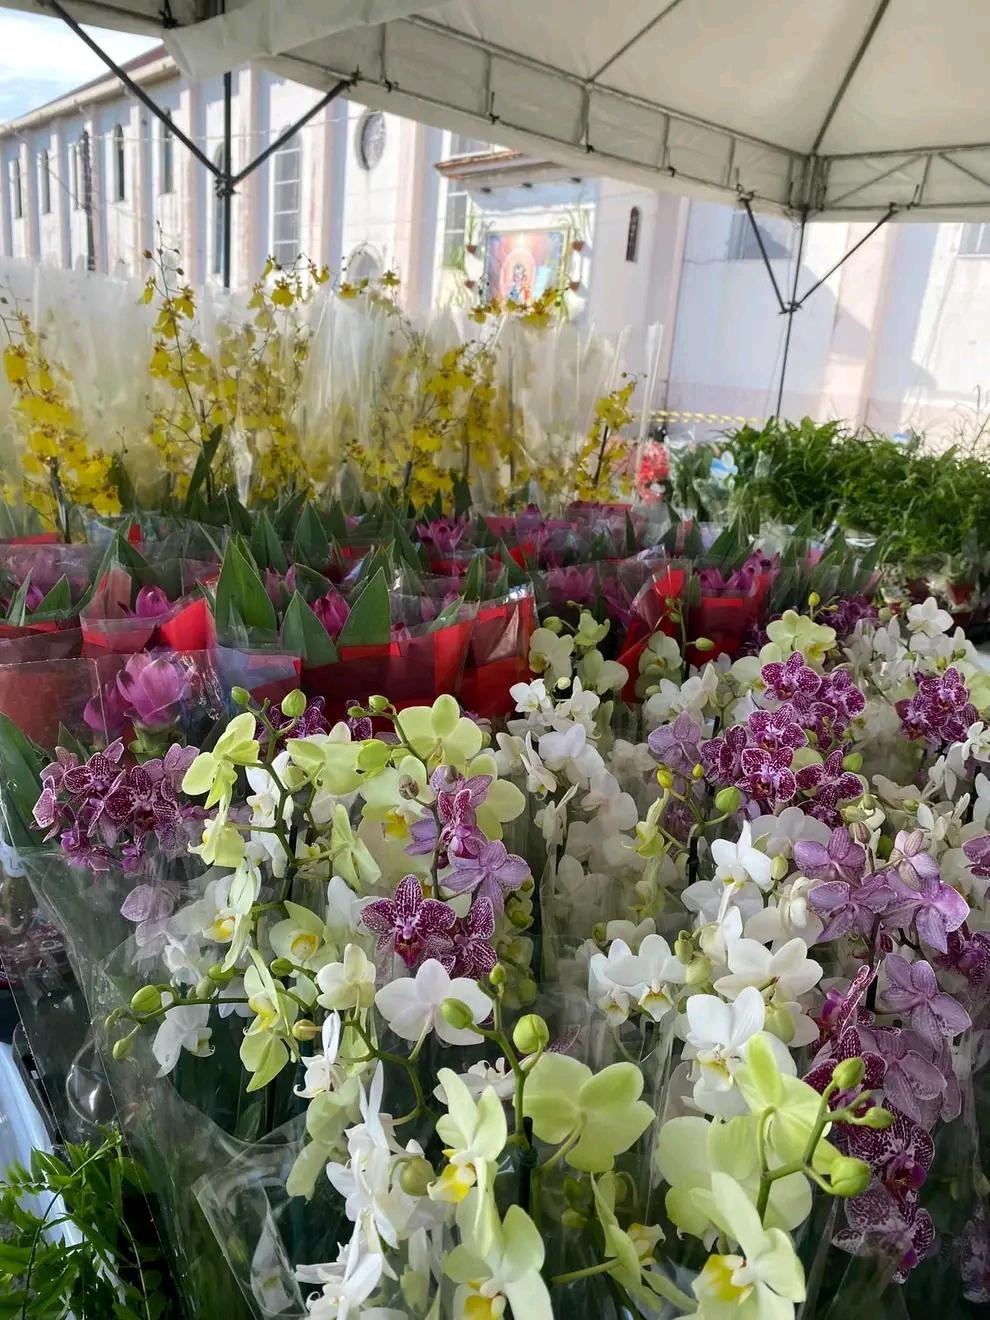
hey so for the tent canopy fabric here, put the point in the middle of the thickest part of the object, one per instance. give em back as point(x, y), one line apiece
point(846, 109)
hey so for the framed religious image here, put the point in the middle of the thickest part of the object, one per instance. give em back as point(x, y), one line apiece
point(520, 265)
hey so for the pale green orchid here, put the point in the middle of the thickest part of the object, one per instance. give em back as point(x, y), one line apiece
point(601, 675)
point(348, 984)
point(598, 1115)
point(215, 773)
point(233, 896)
point(497, 1263)
point(222, 844)
point(691, 1148)
point(628, 1260)
point(797, 632)
point(349, 853)
point(396, 796)
point(268, 1043)
point(329, 1114)
point(503, 802)
point(762, 1282)
point(551, 655)
point(589, 631)
point(328, 760)
point(440, 734)
point(787, 1107)
point(474, 1134)
point(302, 938)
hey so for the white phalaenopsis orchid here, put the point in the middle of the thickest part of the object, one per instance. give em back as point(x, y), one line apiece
point(323, 1072)
point(182, 1028)
point(411, 1005)
point(716, 1035)
point(736, 863)
point(927, 619)
point(567, 750)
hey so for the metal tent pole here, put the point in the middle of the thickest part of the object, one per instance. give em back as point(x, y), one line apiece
point(225, 180)
point(225, 188)
point(789, 312)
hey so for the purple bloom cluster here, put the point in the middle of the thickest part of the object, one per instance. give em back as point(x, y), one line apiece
point(907, 895)
point(940, 711)
point(845, 614)
point(332, 610)
point(417, 928)
point(757, 757)
point(105, 813)
point(676, 745)
point(909, 1072)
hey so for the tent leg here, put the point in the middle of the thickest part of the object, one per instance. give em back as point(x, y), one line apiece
point(227, 198)
point(789, 311)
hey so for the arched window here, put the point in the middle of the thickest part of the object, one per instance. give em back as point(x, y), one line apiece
point(167, 156)
point(632, 235)
point(286, 172)
point(16, 200)
point(45, 183)
point(220, 161)
point(119, 181)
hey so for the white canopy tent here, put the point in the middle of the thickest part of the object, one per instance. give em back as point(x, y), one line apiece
point(823, 109)
point(833, 109)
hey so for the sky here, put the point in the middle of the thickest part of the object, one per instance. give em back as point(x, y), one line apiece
point(41, 58)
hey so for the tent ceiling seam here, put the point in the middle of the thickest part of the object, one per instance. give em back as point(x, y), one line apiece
point(849, 74)
point(627, 46)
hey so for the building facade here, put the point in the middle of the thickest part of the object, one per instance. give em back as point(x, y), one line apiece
point(895, 338)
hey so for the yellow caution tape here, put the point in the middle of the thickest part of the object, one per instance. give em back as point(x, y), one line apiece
point(679, 416)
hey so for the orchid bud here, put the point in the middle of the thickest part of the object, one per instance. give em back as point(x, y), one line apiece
point(814, 600)
point(294, 704)
point(728, 799)
point(554, 625)
point(778, 867)
point(123, 1047)
point(531, 1034)
point(664, 778)
point(697, 771)
point(860, 832)
point(520, 918)
point(848, 1176)
point(526, 990)
point(527, 886)
point(704, 644)
point(684, 947)
point(574, 1192)
point(497, 975)
point(146, 1000)
point(698, 971)
point(574, 1220)
point(853, 762)
point(779, 1023)
point(877, 1118)
point(203, 988)
point(848, 1073)
point(280, 967)
point(216, 973)
point(305, 1029)
point(456, 1014)
point(113, 1018)
point(378, 704)
point(416, 1175)
point(240, 696)
point(355, 712)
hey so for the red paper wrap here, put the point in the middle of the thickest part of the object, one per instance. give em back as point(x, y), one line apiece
point(498, 655)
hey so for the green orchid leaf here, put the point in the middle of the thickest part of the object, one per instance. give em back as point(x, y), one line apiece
point(370, 620)
point(305, 636)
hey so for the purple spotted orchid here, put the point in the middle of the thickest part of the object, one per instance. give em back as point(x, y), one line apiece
point(471, 952)
point(829, 784)
point(414, 927)
point(850, 908)
point(786, 680)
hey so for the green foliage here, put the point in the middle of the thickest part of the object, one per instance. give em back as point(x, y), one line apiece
point(116, 1269)
point(927, 506)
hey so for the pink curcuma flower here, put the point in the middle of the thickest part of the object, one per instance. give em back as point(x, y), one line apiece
point(913, 991)
point(153, 689)
point(492, 874)
point(414, 927)
point(332, 611)
point(152, 603)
